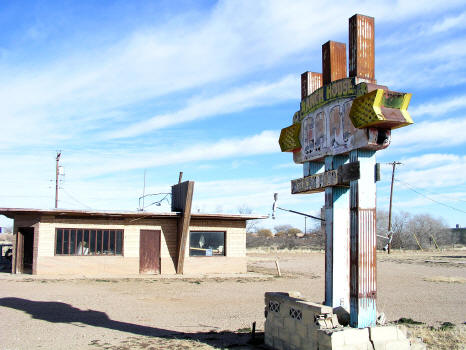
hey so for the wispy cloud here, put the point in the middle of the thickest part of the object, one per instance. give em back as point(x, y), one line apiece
point(430, 135)
point(440, 108)
point(236, 100)
point(450, 22)
point(94, 164)
point(431, 159)
point(434, 171)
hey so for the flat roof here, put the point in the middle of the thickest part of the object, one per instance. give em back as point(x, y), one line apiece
point(12, 212)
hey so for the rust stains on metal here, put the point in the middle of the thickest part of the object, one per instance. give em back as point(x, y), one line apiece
point(362, 48)
point(310, 82)
point(333, 61)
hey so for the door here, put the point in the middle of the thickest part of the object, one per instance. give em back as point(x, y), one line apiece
point(24, 250)
point(149, 251)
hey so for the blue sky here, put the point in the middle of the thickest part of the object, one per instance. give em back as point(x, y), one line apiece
point(204, 87)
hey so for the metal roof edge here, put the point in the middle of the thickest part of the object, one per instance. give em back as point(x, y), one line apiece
point(12, 212)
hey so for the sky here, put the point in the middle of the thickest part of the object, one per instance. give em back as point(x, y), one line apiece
point(127, 88)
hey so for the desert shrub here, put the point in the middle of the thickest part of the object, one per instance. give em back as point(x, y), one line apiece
point(264, 232)
point(313, 240)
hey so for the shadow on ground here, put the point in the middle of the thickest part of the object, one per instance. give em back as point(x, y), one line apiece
point(57, 312)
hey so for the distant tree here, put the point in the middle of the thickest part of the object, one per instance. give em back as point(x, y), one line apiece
point(410, 231)
point(430, 231)
point(382, 228)
point(250, 224)
point(264, 232)
point(282, 228)
point(294, 232)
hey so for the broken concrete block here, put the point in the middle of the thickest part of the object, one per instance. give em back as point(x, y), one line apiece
point(355, 336)
point(383, 333)
point(329, 338)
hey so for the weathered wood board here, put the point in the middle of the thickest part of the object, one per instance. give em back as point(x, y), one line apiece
point(318, 182)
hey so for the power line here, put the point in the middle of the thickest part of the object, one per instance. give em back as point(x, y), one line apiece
point(445, 196)
point(76, 200)
point(431, 199)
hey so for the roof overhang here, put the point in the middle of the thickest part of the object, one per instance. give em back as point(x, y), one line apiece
point(14, 212)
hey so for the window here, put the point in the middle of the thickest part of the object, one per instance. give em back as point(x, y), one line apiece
point(207, 244)
point(88, 242)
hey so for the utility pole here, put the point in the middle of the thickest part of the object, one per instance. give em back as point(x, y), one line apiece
point(390, 234)
point(57, 174)
point(143, 191)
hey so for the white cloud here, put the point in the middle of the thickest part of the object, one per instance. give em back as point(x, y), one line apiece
point(450, 22)
point(430, 135)
point(236, 100)
point(431, 159)
point(439, 108)
point(451, 203)
point(97, 162)
point(65, 95)
point(431, 171)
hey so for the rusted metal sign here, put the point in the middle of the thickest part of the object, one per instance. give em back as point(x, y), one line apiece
point(341, 123)
point(345, 113)
point(343, 116)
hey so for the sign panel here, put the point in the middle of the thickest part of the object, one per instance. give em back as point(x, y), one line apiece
point(343, 116)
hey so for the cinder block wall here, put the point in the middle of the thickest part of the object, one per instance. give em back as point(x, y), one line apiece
point(128, 263)
point(294, 323)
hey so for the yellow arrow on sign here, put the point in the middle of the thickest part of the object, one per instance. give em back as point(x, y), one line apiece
point(382, 109)
point(289, 138)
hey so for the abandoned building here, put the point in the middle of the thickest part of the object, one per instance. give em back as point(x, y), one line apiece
point(120, 243)
point(78, 242)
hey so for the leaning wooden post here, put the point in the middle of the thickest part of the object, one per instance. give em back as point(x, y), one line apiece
point(182, 197)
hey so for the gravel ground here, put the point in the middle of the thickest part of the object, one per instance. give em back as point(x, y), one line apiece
point(147, 313)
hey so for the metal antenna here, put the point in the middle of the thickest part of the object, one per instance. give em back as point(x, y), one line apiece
point(274, 206)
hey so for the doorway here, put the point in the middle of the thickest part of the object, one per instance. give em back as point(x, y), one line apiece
point(24, 250)
point(149, 252)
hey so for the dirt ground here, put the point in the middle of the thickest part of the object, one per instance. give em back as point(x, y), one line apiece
point(205, 313)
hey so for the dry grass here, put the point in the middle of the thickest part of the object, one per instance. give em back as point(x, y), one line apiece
point(444, 337)
point(275, 250)
point(445, 279)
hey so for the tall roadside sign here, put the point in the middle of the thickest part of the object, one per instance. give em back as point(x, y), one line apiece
point(343, 120)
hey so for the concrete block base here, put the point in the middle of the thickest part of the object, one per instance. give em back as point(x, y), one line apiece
point(293, 323)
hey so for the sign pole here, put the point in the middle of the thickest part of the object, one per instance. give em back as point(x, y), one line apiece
point(363, 237)
point(337, 279)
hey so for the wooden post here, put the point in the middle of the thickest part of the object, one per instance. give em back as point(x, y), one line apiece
point(182, 197)
point(394, 164)
point(279, 274)
point(363, 289)
point(337, 279)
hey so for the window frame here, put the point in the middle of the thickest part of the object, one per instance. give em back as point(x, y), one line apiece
point(95, 230)
point(211, 256)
